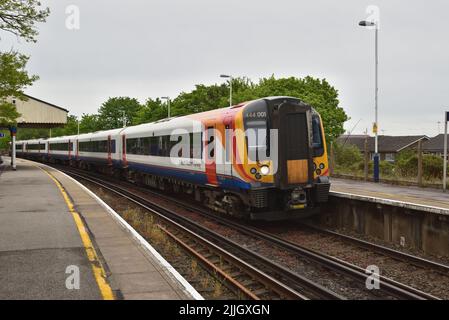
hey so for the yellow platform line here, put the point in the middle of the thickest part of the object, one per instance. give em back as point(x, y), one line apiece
point(97, 268)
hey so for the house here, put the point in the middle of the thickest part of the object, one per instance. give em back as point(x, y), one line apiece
point(435, 146)
point(389, 146)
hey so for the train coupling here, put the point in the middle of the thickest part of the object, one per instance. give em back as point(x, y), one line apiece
point(298, 199)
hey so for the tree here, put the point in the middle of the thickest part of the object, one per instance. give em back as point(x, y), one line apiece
point(205, 98)
point(316, 92)
point(8, 114)
point(152, 110)
point(20, 16)
point(13, 80)
point(115, 110)
point(90, 123)
point(71, 128)
point(13, 76)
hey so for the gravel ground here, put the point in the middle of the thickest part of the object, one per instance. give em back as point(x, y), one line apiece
point(426, 280)
point(194, 273)
point(430, 281)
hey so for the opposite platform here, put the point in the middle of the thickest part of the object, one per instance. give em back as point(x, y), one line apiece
point(41, 239)
point(429, 200)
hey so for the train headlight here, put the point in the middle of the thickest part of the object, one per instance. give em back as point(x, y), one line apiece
point(264, 170)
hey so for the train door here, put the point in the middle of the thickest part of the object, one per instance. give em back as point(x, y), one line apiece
point(296, 165)
point(210, 154)
point(109, 150)
point(77, 146)
point(69, 147)
point(123, 150)
point(228, 146)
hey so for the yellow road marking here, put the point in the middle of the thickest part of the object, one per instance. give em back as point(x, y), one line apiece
point(97, 268)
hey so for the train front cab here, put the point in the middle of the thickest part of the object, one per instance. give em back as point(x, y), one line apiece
point(301, 181)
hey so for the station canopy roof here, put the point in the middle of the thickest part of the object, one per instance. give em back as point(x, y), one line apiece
point(36, 113)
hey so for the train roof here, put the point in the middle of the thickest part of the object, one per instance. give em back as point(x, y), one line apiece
point(99, 134)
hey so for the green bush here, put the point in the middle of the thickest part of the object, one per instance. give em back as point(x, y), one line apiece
point(386, 167)
point(432, 166)
point(347, 155)
point(408, 167)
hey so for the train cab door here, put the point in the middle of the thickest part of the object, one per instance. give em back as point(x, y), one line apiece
point(210, 154)
point(296, 165)
point(228, 146)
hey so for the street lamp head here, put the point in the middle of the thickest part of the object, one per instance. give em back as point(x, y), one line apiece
point(166, 98)
point(225, 76)
point(365, 23)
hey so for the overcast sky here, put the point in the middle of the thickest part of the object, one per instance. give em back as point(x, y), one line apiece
point(153, 48)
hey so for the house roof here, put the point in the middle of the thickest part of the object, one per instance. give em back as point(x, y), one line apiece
point(47, 103)
point(386, 143)
point(435, 144)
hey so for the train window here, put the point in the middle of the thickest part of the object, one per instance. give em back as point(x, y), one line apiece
point(19, 147)
point(317, 139)
point(145, 146)
point(256, 138)
point(131, 146)
point(196, 145)
point(94, 146)
point(61, 146)
point(154, 146)
point(33, 146)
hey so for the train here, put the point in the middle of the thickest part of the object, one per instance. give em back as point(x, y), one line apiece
point(264, 159)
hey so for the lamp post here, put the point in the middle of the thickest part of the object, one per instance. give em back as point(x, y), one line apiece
point(376, 124)
point(446, 120)
point(230, 87)
point(168, 104)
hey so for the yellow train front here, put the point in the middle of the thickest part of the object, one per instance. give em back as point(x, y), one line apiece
point(281, 153)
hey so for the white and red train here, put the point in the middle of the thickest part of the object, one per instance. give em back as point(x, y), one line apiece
point(216, 159)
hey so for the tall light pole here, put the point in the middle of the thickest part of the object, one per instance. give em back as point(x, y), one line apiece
point(168, 104)
point(376, 99)
point(446, 120)
point(230, 86)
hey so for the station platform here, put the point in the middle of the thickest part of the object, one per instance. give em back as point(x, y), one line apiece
point(424, 199)
point(59, 241)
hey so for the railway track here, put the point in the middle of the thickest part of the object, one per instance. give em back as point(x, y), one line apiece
point(271, 282)
point(392, 253)
point(303, 287)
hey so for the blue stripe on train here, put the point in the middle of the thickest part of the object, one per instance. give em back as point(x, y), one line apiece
point(226, 182)
point(190, 176)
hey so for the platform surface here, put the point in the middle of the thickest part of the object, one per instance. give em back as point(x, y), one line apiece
point(39, 239)
point(431, 198)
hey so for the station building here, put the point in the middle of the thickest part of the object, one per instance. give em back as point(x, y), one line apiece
point(35, 113)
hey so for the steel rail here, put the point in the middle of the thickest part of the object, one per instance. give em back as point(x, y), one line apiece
point(296, 282)
point(390, 286)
